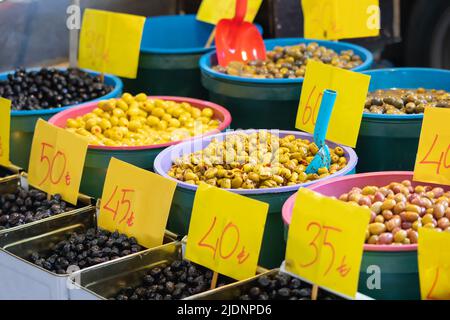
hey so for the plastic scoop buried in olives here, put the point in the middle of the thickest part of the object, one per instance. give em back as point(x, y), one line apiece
point(177, 280)
point(322, 159)
point(399, 210)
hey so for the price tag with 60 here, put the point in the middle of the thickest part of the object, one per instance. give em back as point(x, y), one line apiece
point(57, 161)
point(325, 241)
point(136, 202)
point(226, 231)
point(433, 155)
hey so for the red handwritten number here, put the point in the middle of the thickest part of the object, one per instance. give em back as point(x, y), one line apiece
point(241, 256)
point(51, 164)
point(341, 269)
point(311, 111)
point(128, 217)
point(443, 156)
point(433, 286)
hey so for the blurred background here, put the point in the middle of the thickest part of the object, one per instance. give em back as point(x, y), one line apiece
point(414, 32)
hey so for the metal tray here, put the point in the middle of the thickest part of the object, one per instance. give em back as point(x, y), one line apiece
point(234, 290)
point(21, 279)
point(103, 282)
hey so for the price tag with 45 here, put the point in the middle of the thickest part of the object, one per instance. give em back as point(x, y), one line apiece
point(433, 155)
point(136, 202)
point(225, 232)
point(325, 241)
point(57, 161)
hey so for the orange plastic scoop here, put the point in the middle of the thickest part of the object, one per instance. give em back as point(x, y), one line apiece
point(238, 40)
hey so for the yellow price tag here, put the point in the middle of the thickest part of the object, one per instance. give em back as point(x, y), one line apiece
point(351, 88)
point(5, 123)
point(433, 156)
point(57, 161)
point(340, 19)
point(434, 264)
point(110, 42)
point(136, 202)
point(212, 11)
point(326, 240)
point(226, 231)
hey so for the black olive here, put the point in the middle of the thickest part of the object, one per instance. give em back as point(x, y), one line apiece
point(295, 283)
point(149, 280)
point(305, 292)
point(263, 281)
point(284, 293)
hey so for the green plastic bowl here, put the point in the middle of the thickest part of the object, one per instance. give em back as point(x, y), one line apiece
point(170, 50)
point(273, 246)
point(265, 103)
point(98, 157)
point(390, 142)
point(395, 267)
point(23, 122)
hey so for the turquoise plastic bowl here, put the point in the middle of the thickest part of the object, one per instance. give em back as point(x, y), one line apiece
point(23, 122)
point(389, 142)
point(265, 103)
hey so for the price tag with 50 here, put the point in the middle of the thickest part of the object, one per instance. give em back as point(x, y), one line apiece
point(57, 161)
point(136, 202)
point(325, 241)
point(226, 231)
point(351, 88)
point(434, 264)
point(5, 122)
point(433, 155)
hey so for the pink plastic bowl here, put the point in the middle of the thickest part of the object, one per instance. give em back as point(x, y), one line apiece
point(220, 113)
point(337, 186)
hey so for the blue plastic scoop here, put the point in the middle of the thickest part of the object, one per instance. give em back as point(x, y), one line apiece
point(322, 157)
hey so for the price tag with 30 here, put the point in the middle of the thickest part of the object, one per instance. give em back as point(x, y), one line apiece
point(434, 264)
point(433, 156)
point(351, 88)
point(212, 11)
point(5, 122)
point(110, 42)
point(340, 19)
point(326, 240)
point(57, 161)
point(226, 231)
point(136, 202)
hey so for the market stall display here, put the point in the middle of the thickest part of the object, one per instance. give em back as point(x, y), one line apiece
point(43, 92)
point(142, 153)
point(397, 262)
point(272, 251)
point(257, 102)
point(394, 131)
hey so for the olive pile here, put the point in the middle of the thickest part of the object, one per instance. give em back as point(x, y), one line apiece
point(24, 206)
point(256, 160)
point(85, 249)
point(51, 88)
point(175, 281)
point(290, 62)
point(282, 287)
point(405, 101)
point(139, 121)
point(398, 210)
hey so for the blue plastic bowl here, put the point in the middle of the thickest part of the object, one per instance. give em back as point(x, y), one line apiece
point(389, 142)
point(170, 50)
point(23, 122)
point(265, 103)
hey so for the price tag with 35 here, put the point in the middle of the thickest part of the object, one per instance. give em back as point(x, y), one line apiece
point(110, 42)
point(57, 161)
point(433, 155)
point(434, 264)
point(136, 202)
point(212, 11)
point(351, 88)
point(226, 231)
point(326, 240)
point(5, 122)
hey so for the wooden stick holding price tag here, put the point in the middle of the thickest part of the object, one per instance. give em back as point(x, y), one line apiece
point(211, 38)
point(225, 233)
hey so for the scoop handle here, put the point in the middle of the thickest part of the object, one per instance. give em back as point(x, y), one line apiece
point(241, 10)
point(323, 118)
